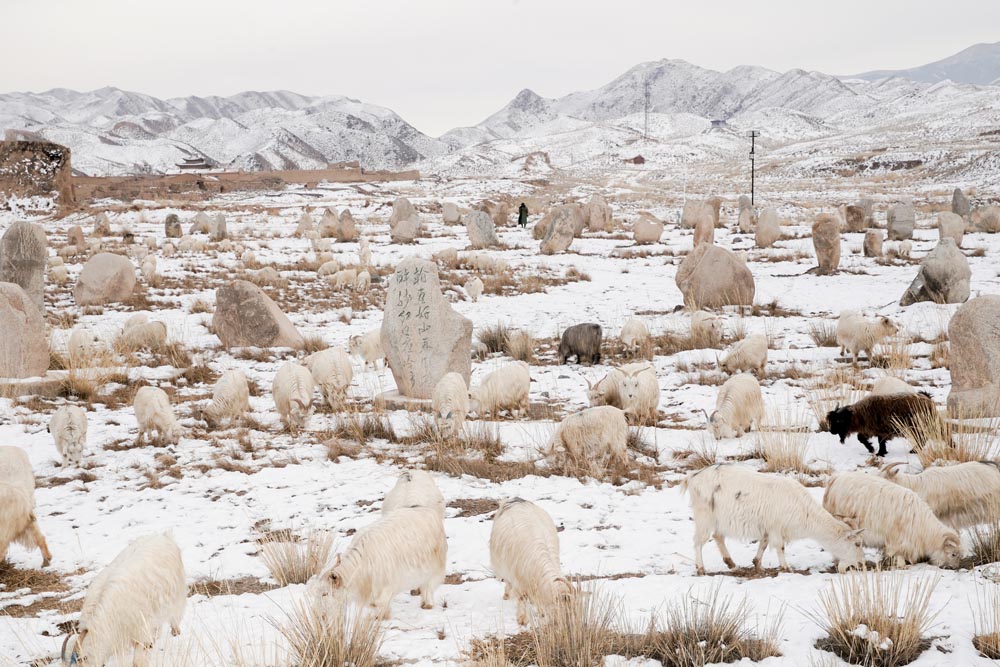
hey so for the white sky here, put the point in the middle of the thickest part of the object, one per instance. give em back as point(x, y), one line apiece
point(445, 63)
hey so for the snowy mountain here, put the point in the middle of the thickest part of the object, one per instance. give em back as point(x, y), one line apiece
point(978, 64)
point(114, 131)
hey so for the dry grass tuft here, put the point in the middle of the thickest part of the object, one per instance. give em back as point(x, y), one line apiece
point(894, 356)
point(314, 344)
point(940, 355)
point(495, 337)
point(704, 452)
point(783, 442)
point(295, 562)
point(936, 439)
point(823, 333)
point(987, 637)
point(876, 618)
point(521, 346)
point(200, 306)
point(333, 636)
point(360, 427)
point(985, 542)
point(842, 386)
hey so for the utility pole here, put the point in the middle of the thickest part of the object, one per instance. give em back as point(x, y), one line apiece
point(647, 96)
point(753, 134)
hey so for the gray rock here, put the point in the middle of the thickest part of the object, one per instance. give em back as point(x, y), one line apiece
point(868, 206)
point(746, 220)
point(768, 228)
point(406, 230)
point(960, 203)
point(74, 237)
point(943, 276)
point(704, 231)
point(712, 277)
point(826, 242)
point(305, 225)
point(329, 224)
point(974, 358)
point(479, 226)
point(24, 343)
point(347, 230)
point(172, 227)
point(102, 225)
point(217, 228)
point(598, 214)
point(694, 211)
point(986, 219)
point(402, 209)
point(951, 226)
point(560, 231)
point(744, 203)
point(423, 337)
point(22, 260)
point(899, 222)
point(451, 213)
point(873, 243)
point(246, 317)
point(647, 229)
point(105, 278)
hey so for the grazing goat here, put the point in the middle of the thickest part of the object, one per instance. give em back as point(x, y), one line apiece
point(474, 288)
point(368, 347)
point(450, 402)
point(885, 417)
point(363, 283)
point(593, 434)
point(607, 390)
point(524, 555)
point(332, 371)
point(68, 427)
point(404, 550)
point(154, 413)
point(856, 334)
point(730, 500)
point(505, 388)
point(890, 385)
point(738, 406)
point(128, 603)
point(706, 328)
point(893, 518)
point(634, 334)
point(582, 341)
point(961, 495)
point(749, 354)
point(17, 504)
point(414, 488)
point(292, 389)
point(230, 399)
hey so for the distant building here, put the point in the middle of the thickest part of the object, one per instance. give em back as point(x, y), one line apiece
point(193, 163)
point(638, 159)
point(719, 124)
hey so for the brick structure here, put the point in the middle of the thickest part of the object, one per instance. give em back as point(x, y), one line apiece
point(36, 169)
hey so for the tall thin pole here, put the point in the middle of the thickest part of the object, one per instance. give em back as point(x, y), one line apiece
point(753, 134)
point(647, 93)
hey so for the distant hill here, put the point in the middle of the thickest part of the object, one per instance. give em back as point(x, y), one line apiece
point(978, 64)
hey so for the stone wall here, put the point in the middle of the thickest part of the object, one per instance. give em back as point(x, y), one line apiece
point(36, 169)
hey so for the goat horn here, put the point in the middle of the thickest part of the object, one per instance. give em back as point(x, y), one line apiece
point(890, 470)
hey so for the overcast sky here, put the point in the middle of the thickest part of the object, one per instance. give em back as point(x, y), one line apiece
point(442, 64)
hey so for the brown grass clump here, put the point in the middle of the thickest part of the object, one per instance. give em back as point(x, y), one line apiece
point(956, 440)
point(841, 387)
point(333, 636)
point(314, 344)
point(823, 333)
point(521, 346)
point(702, 453)
point(295, 562)
point(987, 637)
point(200, 306)
point(940, 355)
point(876, 618)
point(495, 337)
point(985, 539)
point(361, 427)
point(782, 442)
point(894, 356)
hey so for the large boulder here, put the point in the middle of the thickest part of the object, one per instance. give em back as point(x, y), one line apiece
point(105, 278)
point(74, 237)
point(423, 337)
point(23, 258)
point(24, 343)
point(217, 228)
point(647, 229)
point(744, 203)
point(712, 277)
point(855, 217)
point(704, 231)
point(974, 358)
point(986, 219)
point(694, 211)
point(479, 226)
point(868, 206)
point(543, 226)
point(597, 214)
point(402, 209)
point(328, 224)
point(951, 226)
point(246, 317)
point(451, 213)
point(172, 227)
point(561, 229)
point(873, 243)
point(943, 276)
point(102, 225)
point(960, 203)
point(768, 228)
point(200, 224)
point(347, 230)
point(826, 242)
point(405, 230)
point(899, 222)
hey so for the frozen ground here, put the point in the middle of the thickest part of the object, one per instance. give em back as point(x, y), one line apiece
point(218, 490)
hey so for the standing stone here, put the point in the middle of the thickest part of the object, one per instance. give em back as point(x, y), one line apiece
point(715, 203)
point(217, 228)
point(873, 243)
point(406, 230)
point(712, 277)
point(200, 224)
point(479, 226)
point(105, 278)
point(423, 337)
point(102, 226)
point(598, 215)
point(402, 209)
point(986, 219)
point(943, 276)
point(868, 206)
point(826, 241)
point(501, 214)
point(23, 258)
point(855, 217)
point(246, 317)
point(74, 237)
point(746, 220)
point(974, 360)
point(172, 227)
point(899, 222)
point(695, 211)
point(347, 231)
point(560, 232)
point(951, 226)
point(704, 231)
point(305, 225)
point(450, 213)
point(328, 224)
point(768, 228)
point(960, 203)
point(24, 343)
point(745, 204)
point(647, 229)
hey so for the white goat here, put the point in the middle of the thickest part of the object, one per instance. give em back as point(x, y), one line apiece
point(738, 406)
point(474, 288)
point(230, 398)
point(593, 434)
point(345, 279)
point(894, 518)
point(68, 427)
point(450, 402)
point(640, 391)
point(706, 327)
point(507, 387)
point(736, 501)
point(524, 555)
point(149, 336)
point(634, 334)
point(292, 390)
point(331, 369)
point(59, 274)
point(857, 334)
point(961, 495)
point(607, 390)
point(364, 252)
point(153, 412)
point(368, 347)
point(17, 504)
point(404, 550)
point(328, 268)
point(128, 603)
point(85, 347)
point(891, 385)
point(414, 488)
point(749, 354)
point(363, 283)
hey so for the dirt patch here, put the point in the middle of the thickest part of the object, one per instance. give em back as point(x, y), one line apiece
point(474, 506)
point(239, 586)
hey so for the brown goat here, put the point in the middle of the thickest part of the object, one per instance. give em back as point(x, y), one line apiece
point(884, 417)
point(582, 341)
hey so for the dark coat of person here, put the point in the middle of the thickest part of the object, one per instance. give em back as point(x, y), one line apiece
point(522, 215)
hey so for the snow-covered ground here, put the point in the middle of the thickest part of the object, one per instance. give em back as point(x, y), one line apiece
point(634, 539)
